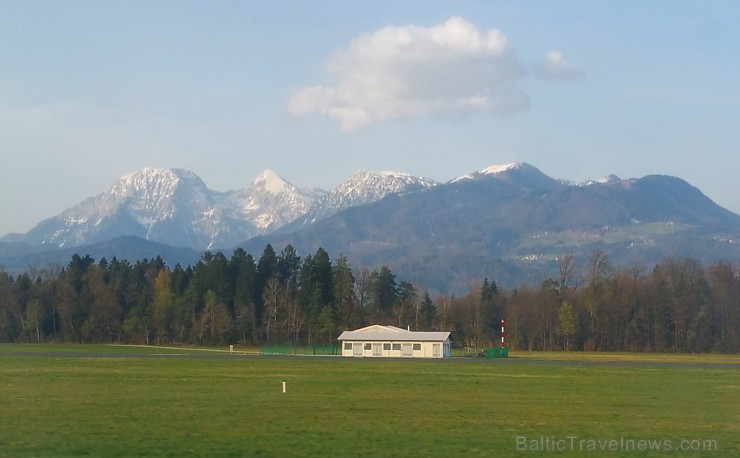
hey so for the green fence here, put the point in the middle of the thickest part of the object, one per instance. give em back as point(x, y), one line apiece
point(277, 350)
point(467, 352)
point(326, 350)
point(290, 350)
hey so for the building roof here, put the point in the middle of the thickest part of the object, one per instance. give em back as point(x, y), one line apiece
point(392, 333)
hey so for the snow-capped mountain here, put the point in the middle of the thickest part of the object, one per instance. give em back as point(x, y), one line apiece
point(605, 180)
point(269, 202)
point(520, 173)
point(175, 206)
point(362, 188)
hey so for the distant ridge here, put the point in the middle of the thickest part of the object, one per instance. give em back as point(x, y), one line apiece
point(513, 223)
point(19, 258)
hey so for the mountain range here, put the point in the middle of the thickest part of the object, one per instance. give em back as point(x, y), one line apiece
point(174, 206)
point(507, 222)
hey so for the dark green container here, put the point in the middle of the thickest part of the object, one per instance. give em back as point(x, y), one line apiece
point(496, 352)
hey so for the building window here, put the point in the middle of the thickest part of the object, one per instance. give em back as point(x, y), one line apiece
point(397, 346)
point(348, 345)
point(417, 347)
point(386, 346)
point(368, 346)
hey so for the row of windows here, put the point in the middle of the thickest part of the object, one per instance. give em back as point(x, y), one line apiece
point(386, 346)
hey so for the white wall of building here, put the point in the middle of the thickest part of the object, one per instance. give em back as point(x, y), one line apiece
point(391, 349)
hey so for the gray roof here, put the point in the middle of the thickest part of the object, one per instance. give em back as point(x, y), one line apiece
point(401, 336)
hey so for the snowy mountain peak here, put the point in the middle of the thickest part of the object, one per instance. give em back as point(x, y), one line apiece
point(371, 181)
point(152, 194)
point(609, 179)
point(515, 173)
point(167, 205)
point(154, 182)
point(272, 182)
point(269, 202)
point(501, 168)
point(144, 179)
point(492, 170)
point(389, 173)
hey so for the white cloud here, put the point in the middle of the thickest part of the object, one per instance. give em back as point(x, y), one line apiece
point(412, 71)
point(554, 66)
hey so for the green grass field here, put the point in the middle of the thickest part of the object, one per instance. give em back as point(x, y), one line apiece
point(77, 404)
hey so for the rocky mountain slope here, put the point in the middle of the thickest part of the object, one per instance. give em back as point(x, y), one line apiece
point(359, 189)
point(174, 206)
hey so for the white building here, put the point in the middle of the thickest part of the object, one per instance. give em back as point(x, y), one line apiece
point(392, 342)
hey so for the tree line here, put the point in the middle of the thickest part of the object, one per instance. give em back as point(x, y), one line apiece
point(280, 298)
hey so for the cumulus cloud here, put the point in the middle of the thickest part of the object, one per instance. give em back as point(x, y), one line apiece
point(554, 66)
point(411, 71)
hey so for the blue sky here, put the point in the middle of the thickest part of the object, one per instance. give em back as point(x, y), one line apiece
point(91, 91)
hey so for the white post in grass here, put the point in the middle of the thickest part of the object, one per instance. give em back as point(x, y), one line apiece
point(285, 388)
point(231, 348)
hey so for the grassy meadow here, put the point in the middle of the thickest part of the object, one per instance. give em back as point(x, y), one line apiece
point(68, 401)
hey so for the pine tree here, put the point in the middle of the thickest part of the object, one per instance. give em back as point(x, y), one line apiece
point(567, 324)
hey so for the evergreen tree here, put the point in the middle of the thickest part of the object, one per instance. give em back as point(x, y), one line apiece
point(266, 269)
point(382, 294)
point(491, 310)
point(245, 278)
point(405, 309)
point(288, 264)
point(9, 320)
point(427, 314)
point(322, 277)
point(567, 324)
point(348, 308)
point(326, 325)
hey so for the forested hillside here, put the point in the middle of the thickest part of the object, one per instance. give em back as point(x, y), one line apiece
point(587, 304)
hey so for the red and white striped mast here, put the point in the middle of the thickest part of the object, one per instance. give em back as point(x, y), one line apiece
point(503, 333)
